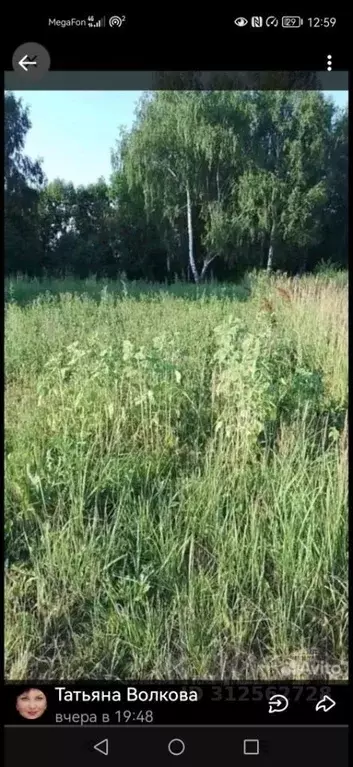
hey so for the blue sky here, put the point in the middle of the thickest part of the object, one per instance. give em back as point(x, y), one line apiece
point(74, 131)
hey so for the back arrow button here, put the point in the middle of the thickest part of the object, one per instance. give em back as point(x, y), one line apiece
point(102, 747)
point(25, 62)
point(31, 61)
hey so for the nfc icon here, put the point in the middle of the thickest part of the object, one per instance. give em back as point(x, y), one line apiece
point(256, 21)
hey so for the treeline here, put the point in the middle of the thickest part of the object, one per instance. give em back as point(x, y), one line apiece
point(205, 183)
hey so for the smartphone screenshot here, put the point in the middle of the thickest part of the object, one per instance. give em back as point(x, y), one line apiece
point(176, 388)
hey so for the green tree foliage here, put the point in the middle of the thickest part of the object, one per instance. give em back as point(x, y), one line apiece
point(282, 193)
point(205, 182)
point(334, 215)
point(23, 179)
point(184, 153)
point(77, 228)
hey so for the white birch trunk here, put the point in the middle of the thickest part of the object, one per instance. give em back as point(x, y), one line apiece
point(190, 236)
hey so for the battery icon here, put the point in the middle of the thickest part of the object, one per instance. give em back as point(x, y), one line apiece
point(291, 22)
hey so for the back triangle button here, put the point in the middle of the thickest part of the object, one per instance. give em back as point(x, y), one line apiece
point(102, 747)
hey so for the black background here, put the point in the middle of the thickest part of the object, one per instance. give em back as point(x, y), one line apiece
point(217, 703)
point(278, 746)
point(179, 38)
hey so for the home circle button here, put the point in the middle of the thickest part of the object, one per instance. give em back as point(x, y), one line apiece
point(176, 747)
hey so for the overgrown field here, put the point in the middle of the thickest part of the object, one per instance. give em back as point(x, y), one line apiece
point(176, 479)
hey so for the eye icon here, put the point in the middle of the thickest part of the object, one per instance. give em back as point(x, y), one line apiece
point(240, 21)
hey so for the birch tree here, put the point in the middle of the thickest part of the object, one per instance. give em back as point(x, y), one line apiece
point(281, 194)
point(183, 158)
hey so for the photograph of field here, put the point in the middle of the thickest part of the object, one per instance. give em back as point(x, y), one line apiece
point(176, 391)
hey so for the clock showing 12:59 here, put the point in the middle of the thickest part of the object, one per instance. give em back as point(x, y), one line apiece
point(322, 21)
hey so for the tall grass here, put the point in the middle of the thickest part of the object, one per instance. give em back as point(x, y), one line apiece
point(176, 478)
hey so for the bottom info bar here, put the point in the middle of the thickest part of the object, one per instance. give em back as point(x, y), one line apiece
point(162, 745)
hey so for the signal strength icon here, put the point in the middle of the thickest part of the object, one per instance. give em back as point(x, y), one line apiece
point(100, 23)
